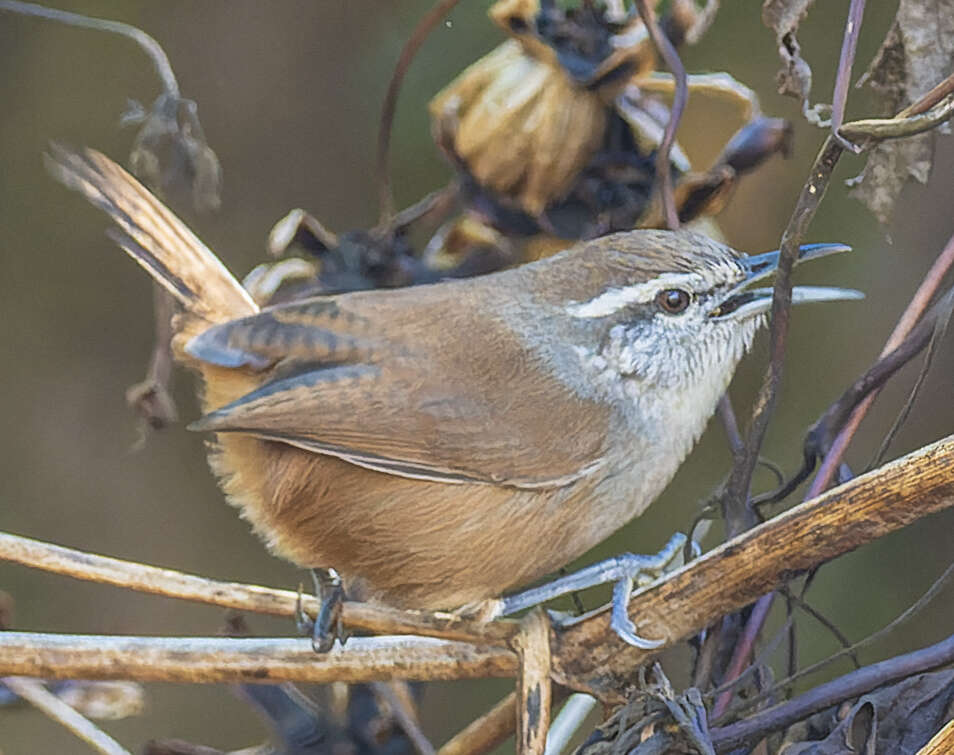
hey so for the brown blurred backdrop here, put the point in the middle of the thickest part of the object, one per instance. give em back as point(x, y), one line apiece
point(288, 94)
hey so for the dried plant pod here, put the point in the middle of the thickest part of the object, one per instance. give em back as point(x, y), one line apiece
point(467, 246)
point(524, 120)
point(171, 156)
point(376, 258)
point(596, 50)
point(519, 126)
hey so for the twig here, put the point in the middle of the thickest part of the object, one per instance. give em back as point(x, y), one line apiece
point(919, 302)
point(533, 683)
point(807, 205)
point(729, 423)
point(752, 729)
point(845, 62)
point(151, 398)
point(406, 717)
point(798, 601)
point(242, 597)
point(737, 516)
point(487, 732)
point(44, 700)
point(740, 477)
point(205, 660)
point(743, 651)
point(937, 93)
point(149, 45)
point(804, 213)
point(680, 98)
point(424, 27)
point(899, 128)
point(943, 311)
point(851, 649)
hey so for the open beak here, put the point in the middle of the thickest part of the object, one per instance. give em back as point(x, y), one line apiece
point(743, 302)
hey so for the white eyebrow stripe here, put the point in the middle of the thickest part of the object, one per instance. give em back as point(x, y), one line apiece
point(614, 299)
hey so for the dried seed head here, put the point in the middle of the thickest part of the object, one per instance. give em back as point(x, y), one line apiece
point(519, 126)
point(525, 119)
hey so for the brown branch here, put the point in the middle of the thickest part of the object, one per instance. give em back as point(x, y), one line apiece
point(487, 732)
point(937, 93)
point(811, 195)
point(204, 660)
point(533, 684)
point(241, 597)
point(589, 657)
point(492, 729)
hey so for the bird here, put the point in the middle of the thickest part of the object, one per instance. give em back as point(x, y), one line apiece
point(442, 445)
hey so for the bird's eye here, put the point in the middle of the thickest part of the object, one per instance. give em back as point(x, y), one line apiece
point(673, 301)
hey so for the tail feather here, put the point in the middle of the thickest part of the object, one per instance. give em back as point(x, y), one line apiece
point(153, 236)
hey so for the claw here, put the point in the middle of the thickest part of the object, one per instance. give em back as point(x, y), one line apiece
point(327, 627)
point(620, 622)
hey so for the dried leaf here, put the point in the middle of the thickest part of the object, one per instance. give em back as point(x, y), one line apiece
point(170, 154)
point(783, 17)
point(917, 53)
point(857, 732)
point(906, 716)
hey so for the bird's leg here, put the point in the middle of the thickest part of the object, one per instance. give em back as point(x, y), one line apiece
point(626, 570)
point(326, 628)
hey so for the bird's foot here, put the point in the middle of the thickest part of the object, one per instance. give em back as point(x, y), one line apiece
point(327, 627)
point(627, 570)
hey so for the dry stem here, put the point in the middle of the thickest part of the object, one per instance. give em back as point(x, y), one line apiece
point(206, 660)
point(533, 684)
point(919, 303)
point(485, 733)
point(41, 698)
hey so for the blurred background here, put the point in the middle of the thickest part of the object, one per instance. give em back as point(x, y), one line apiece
point(289, 95)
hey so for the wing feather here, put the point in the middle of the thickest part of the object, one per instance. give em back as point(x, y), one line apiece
point(413, 405)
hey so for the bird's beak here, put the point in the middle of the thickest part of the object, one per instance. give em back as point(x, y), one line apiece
point(743, 302)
